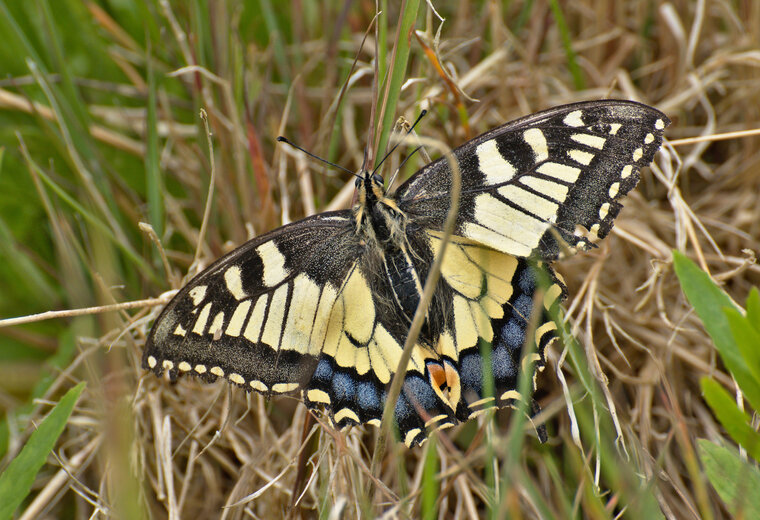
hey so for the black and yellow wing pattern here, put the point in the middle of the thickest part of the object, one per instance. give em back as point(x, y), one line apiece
point(323, 306)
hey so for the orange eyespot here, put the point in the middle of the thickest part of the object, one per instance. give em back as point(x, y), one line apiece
point(437, 375)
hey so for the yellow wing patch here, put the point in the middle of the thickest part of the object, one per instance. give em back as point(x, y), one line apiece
point(355, 339)
point(482, 279)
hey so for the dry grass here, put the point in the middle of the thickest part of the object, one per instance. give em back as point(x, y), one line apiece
point(138, 445)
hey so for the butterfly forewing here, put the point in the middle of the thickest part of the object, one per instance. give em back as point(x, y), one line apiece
point(541, 178)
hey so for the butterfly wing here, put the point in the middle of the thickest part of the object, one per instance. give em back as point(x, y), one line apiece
point(531, 186)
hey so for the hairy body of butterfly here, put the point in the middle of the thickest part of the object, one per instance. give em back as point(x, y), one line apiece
point(323, 305)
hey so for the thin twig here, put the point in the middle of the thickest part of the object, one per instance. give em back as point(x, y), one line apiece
point(715, 137)
point(209, 197)
point(69, 313)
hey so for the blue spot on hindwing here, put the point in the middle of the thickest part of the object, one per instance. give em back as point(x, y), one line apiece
point(323, 372)
point(513, 333)
point(343, 387)
point(525, 280)
point(523, 305)
point(502, 363)
point(368, 399)
point(471, 372)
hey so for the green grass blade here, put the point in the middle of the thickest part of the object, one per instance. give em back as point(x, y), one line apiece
point(709, 301)
point(736, 480)
point(524, 16)
point(747, 339)
point(618, 473)
point(430, 483)
point(382, 41)
point(567, 42)
point(90, 218)
point(735, 421)
point(54, 365)
point(17, 479)
point(275, 39)
point(16, 38)
point(73, 106)
point(29, 275)
point(153, 178)
point(398, 74)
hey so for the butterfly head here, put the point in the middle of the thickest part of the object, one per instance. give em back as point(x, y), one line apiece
point(370, 186)
point(376, 213)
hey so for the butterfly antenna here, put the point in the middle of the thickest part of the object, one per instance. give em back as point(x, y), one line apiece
point(419, 117)
point(287, 141)
point(393, 177)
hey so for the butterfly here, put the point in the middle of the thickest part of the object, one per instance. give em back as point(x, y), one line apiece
point(323, 306)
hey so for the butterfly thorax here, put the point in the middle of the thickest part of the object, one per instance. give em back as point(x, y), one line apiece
point(378, 218)
point(382, 226)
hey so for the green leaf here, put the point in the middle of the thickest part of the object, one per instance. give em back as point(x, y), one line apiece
point(747, 340)
point(736, 480)
point(709, 301)
point(734, 420)
point(18, 477)
point(753, 308)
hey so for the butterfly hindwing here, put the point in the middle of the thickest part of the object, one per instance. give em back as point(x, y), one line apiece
point(363, 348)
point(492, 307)
point(541, 178)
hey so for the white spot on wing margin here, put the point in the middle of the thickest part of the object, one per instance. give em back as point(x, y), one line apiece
point(574, 119)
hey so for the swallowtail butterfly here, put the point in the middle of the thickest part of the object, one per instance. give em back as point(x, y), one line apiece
point(322, 306)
